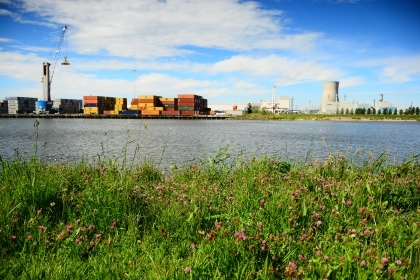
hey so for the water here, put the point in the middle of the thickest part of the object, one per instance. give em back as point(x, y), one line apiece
point(187, 141)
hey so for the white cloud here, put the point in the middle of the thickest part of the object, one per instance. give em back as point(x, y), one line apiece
point(396, 69)
point(351, 82)
point(146, 29)
point(5, 40)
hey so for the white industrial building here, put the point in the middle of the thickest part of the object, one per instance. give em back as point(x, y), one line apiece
point(331, 103)
point(282, 105)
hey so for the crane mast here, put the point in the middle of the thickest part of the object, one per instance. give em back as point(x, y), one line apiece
point(47, 75)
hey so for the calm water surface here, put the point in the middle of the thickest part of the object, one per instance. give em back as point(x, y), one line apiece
point(185, 141)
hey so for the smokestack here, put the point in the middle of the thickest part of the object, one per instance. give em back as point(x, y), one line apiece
point(344, 97)
point(381, 99)
point(374, 103)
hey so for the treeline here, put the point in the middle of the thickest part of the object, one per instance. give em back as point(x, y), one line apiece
point(385, 111)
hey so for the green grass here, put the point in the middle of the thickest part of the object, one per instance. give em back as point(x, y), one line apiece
point(318, 117)
point(259, 219)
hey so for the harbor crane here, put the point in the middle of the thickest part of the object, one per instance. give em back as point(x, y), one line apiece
point(45, 105)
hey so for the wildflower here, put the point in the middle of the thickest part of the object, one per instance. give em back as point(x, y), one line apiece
point(69, 227)
point(193, 245)
point(349, 203)
point(290, 269)
point(13, 238)
point(318, 253)
point(363, 263)
point(29, 237)
point(259, 224)
point(91, 227)
point(187, 270)
point(39, 212)
point(318, 224)
point(264, 245)
point(41, 228)
point(98, 236)
point(326, 258)
point(262, 202)
point(113, 224)
point(398, 262)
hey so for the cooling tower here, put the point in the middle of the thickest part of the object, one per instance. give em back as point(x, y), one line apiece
point(330, 92)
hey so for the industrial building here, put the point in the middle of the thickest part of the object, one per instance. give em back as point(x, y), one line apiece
point(282, 105)
point(331, 103)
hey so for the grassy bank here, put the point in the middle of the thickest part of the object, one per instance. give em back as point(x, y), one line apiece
point(259, 219)
point(320, 117)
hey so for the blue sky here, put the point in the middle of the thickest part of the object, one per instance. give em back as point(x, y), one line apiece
point(228, 51)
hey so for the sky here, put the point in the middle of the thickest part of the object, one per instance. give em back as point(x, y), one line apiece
point(228, 51)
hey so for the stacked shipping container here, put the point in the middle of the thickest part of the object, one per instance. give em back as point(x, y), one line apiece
point(21, 105)
point(150, 105)
point(191, 104)
point(104, 105)
point(4, 106)
point(67, 106)
point(170, 106)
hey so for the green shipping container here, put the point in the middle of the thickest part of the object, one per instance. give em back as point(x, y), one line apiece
point(186, 108)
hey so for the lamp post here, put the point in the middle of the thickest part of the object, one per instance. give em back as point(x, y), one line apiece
point(134, 74)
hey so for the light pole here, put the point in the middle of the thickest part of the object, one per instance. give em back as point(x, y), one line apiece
point(134, 74)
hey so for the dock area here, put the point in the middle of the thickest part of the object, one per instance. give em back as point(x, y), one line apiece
point(120, 116)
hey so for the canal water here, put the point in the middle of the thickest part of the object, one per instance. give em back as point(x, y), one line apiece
point(183, 142)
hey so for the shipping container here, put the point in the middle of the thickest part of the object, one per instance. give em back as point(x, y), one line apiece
point(186, 108)
point(175, 112)
point(130, 112)
point(151, 112)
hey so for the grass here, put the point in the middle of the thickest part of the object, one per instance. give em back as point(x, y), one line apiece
point(326, 117)
point(260, 219)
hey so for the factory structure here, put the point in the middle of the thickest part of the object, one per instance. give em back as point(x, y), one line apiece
point(330, 103)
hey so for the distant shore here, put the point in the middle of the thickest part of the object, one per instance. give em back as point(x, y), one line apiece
point(316, 117)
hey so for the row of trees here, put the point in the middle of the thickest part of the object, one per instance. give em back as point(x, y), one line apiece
point(385, 111)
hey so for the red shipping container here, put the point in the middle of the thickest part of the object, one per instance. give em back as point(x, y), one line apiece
point(171, 113)
point(186, 104)
point(191, 100)
point(189, 113)
point(189, 95)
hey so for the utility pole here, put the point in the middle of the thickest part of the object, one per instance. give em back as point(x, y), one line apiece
point(134, 74)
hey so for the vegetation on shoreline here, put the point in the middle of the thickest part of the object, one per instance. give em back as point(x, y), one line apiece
point(324, 117)
point(263, 219)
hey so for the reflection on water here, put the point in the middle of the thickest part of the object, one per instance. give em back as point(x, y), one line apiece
point(185, 141)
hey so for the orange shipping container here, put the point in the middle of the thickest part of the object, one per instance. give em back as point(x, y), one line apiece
point(151, 112)
point(167, 99)
point(187, 95)
point(149, 97)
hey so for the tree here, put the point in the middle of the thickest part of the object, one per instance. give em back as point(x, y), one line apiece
point(351, 111)
point(342, 111)
point(401, 112)
point(395, 111)
point(337, 112)
point(379, 111)
point(417, 111)
point(368, 111)
point(364, 111)
point(385, 111)
point(347, 111)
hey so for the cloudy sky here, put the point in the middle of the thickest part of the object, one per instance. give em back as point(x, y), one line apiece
point(228, 51)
